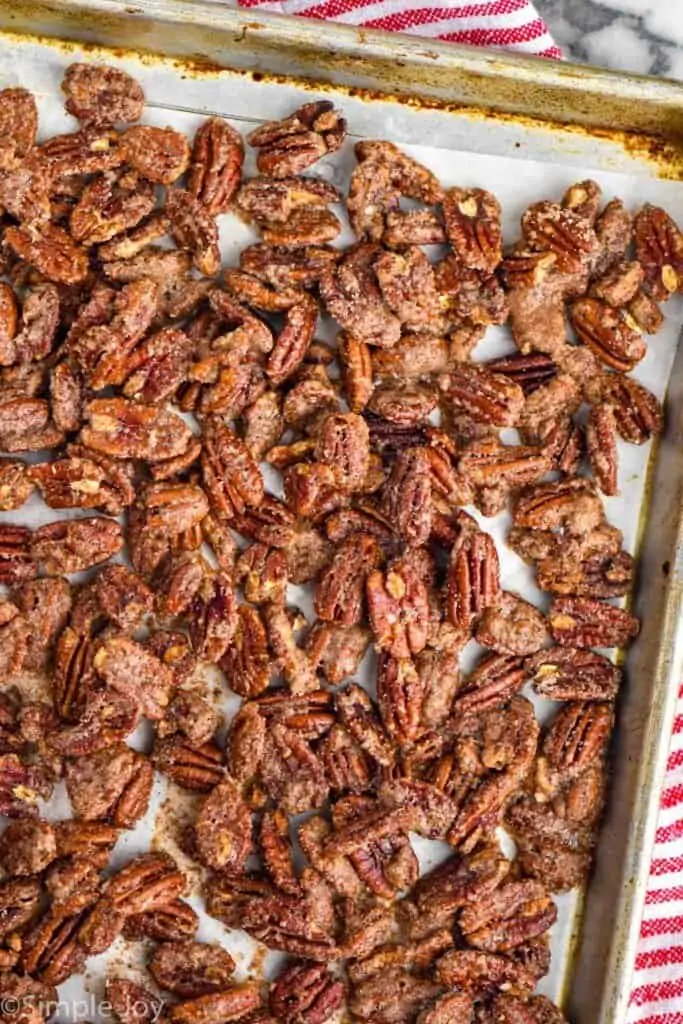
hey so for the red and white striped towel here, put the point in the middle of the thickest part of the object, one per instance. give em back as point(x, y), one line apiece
point(657, 994)
point(510, 24)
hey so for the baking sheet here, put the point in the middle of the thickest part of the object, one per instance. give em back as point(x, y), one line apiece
point(520, 164)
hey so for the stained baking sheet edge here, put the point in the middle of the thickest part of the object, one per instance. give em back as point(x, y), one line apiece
point(646, 712)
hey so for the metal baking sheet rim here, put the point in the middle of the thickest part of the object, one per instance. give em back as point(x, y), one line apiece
point(630, 104)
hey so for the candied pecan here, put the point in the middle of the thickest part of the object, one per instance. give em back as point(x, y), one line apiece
point(607, 334)
point(384, 174)
point(340, 589)
point(190, 969)
point(646, 313)
point(659, 249)
point(600, 574)
point(343, 444)
point(100, 94)
point(352, 296)
point(412, 227)
point(232, 477)
point(406, 281)
point(562, 231)
point(19, 905)
point(395, 996)
point(305, 994)
point(407, 496)
point(337, 651)
point(601, 447)
point(114, 784)
point(293, 340)
point(290, 146)
point(585, 622)
point(124, 597)
point(17, 564)
point(584, 199)
point(18, 125)
point(403, 405)
point(247, 288)
point(513, 913)
point(67, 396)
point(263, 423)
point(471, 296)
point(107, 718)
point(50, 949)
point(230, 1004)
point(530, 371)
point(131, 1003)
point(512, 626)
point(215, 168)
point(160, 154)
point(106, 209)
point(488, 397)
point(398, 609)
point(638, 415)
point(222, 829)
point(570, 505)
point(194, 228)
point(294, 663)
point(135, 672)
point(492, 683)
point(619, 285)
point(38, 323)
point(565, 673)
point(550, 848)
point(50, 249)
point(45, 607)
point(285, 268)
point(129, 430)
point(16, 484)
point(71, 546)
point(13, 639)
point(472, 218)
point(311, 490)
point(357, 370)
point(262, 571)
point(473, 582)
point(246, 662)
point(273, 201)
point(308, 555)
point(27, 848)
point(176, 921)
point(212, 618)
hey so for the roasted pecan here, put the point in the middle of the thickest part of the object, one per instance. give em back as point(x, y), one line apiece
point(584, 622)
point(491, 684)
point(403, 404)
point(215, 169)
point(106, 209)
point(530, 371)
point(194, 228)
point(343, 444)
point(71, 546)
point(472, 218)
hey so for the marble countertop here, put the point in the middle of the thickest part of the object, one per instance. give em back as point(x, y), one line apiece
point(645, 36)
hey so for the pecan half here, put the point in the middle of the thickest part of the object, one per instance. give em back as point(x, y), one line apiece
point(584, 622)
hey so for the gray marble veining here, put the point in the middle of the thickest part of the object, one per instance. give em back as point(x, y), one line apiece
point(645, 36)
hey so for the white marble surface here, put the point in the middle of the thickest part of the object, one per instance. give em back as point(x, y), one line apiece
point(645, 36)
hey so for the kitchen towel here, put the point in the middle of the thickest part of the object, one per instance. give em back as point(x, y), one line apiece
point(657, 993)
point(510, 24)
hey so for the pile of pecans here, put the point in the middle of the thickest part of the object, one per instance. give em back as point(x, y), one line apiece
point(106, 337)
